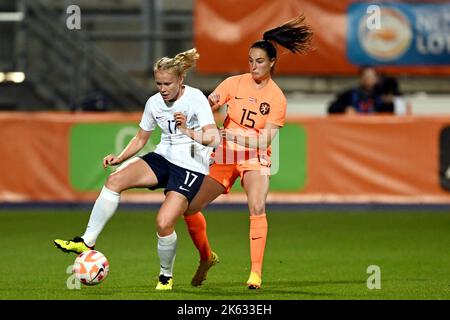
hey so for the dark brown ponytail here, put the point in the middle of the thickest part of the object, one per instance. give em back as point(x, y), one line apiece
point(295, 35)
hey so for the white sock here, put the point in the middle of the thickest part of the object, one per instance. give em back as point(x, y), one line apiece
point(167, 248)
point(105, 206)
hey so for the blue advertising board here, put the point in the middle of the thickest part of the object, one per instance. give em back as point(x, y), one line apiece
point(398, 34)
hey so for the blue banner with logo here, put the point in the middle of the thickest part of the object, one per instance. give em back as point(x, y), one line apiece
point(398, 34)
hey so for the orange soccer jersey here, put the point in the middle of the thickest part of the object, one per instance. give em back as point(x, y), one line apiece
point(248, 111)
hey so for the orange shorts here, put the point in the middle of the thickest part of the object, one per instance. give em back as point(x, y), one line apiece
point(226, 174)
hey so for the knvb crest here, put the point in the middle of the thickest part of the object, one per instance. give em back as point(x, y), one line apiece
point(264, 108)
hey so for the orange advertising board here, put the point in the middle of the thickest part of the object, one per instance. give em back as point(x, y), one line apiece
point(399, 37)
point(390, 159)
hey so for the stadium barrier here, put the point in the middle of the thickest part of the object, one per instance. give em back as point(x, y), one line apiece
point(57, 157)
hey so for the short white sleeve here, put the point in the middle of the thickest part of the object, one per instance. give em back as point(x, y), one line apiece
point(203, 111)
point(148, 123)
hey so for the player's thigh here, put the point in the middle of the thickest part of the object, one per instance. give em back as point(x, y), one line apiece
point(256, 186)
point(174, 205)
point(135, 173)
point(209, 190)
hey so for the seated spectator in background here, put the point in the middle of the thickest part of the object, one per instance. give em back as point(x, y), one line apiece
point(392, 97)
point(366, 98)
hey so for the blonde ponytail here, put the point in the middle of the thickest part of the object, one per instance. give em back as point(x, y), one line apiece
point(179, 64)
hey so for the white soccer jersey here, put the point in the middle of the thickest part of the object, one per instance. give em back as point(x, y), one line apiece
point(176, 147)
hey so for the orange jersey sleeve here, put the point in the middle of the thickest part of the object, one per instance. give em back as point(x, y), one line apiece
point(278, 114)
point(226, 88)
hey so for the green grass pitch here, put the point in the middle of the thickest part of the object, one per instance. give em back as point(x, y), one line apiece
point(309, 255)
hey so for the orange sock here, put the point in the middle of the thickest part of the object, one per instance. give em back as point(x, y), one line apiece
point(258, 236)
point(196, 224)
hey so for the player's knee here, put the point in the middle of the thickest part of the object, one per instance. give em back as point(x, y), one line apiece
point(257, 208)
point(114, 182)
point(164, 226)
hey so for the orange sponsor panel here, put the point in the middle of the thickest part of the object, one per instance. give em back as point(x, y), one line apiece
point(225, 29)
point(349, 159)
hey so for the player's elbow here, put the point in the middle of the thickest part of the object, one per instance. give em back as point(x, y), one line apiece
point(264, 143)
point(265, 138)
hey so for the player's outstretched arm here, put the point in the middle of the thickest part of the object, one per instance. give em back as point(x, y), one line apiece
point(261, 142)
point(134, 146)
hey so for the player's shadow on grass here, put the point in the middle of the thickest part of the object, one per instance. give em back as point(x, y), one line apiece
point(98, 293)
point(285, 288)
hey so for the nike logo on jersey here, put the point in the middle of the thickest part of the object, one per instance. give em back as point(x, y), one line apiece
point(184, 189)
point(238, 98)
point(158, 118)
